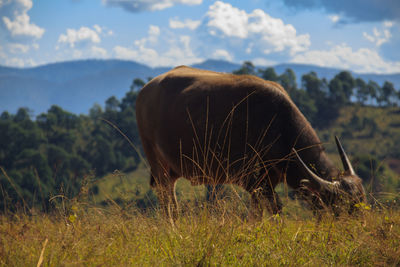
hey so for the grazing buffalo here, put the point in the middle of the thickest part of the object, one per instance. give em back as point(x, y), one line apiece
point(217, 128)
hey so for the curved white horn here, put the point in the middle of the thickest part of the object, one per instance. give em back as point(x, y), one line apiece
point(345, 160)
point(318, 180)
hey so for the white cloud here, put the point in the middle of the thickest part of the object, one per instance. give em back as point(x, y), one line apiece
point(141, 54)
point(222, 54)
point(379, 37)
point(342, 56)
point(125, 53)
point(229, 20)
point(77, 54)
point(175, 23)
point(388, 24)
point(17, 21)
point(249, 48)
point(171, 51)
point(152, 38)
point(334, 18)
point(82, 43)
point(272, 34)
point(263, 62)
point(22, 27)
point(82, 35)
point(97, 28)
point(98, 52)
point(18, 48)
point(179, 53)
point(154, 32)
point(17, 62)
point(150, 5)
point(103, 31)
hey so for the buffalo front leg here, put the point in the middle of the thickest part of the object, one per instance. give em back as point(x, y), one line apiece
point(264, 199)
point(274, 203)
point(167, 199)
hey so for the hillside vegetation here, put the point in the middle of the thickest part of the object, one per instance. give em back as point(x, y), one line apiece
point(371, 135)
point(74, 189)
point(56, 151)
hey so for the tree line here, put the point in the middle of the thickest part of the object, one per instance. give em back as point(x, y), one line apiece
point(319, 99)
point(56, 151)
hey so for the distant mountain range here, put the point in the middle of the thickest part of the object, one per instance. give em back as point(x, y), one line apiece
point(77, 85)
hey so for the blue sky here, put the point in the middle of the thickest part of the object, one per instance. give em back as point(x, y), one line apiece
point(360, 35)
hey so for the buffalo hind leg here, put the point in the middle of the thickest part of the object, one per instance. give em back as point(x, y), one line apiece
point(162, 180)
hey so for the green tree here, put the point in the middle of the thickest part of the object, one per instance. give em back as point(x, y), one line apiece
point(317, 90)
point(102, 155)
point(288, 81)
point(112, 104)
point(22, 115)
point(5, 116)
point(269, 74)
point(57, 117)
point(246, 68)
point(341, 88)
point(112, 109)
point(306, 104)
point(398, 97)
point(387, 93)
point(137, 84)
point(95, 112)
point(314, 86)
point(129, 101)
point(373, 89)
point(361, 91)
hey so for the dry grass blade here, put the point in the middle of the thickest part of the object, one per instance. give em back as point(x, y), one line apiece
point(40, 261)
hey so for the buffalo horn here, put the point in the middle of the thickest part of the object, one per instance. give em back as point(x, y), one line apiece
point(321, 182)
point(345, 160)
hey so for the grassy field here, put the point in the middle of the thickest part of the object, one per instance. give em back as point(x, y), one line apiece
point(110, 229)
point(204, 235)
point(84, 232)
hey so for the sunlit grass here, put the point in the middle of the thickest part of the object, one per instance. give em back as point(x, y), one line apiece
point(78, 232)
point(203, 235)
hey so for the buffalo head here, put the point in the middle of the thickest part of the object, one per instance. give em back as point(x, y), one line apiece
point(343, 192)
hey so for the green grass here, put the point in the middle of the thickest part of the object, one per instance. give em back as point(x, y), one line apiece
point(135, 186)
point(203, 236)
point(80, 232)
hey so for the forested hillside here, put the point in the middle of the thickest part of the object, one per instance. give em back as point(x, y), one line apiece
point(57, 151)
